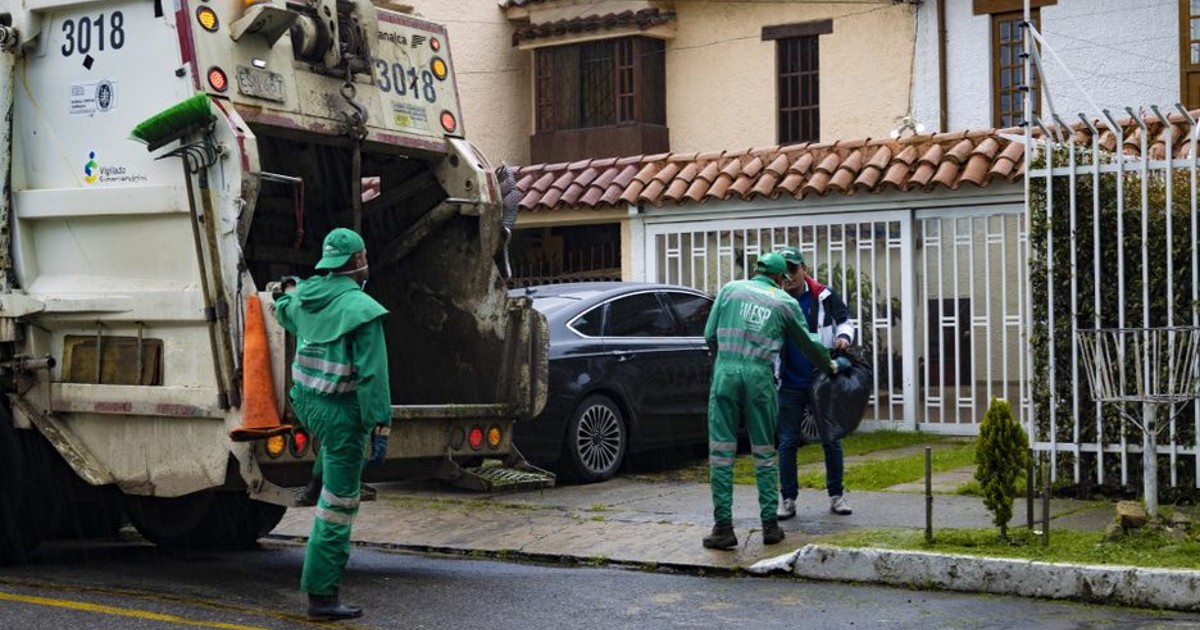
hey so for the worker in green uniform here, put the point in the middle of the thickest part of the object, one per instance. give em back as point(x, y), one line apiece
point(340, 392)
point(746, 327)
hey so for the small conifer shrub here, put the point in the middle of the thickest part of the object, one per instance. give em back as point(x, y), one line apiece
point(1001, 456)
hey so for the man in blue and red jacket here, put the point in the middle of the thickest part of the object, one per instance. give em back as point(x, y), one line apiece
point(828, 317)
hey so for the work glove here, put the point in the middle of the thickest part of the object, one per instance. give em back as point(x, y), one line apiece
point(286, 284)
point(839, 364)
point(379, 445)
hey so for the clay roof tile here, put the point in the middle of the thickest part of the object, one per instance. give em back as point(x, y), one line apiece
point(604, 162)
point(815, 184)
point(742, 185)
point(591, 197)
point(720, 187)
point(987, 148)
point(946, 175)
point(667, 173)
point(779, 165)
point(753, 167)
point(765, 185)
point(563, 180)
point(551, 198)
point(920, 176)
point(791, 184)
point(572, 194)
point(651, 194)
point(697, 190)
point(869, 178)
point(733, 168)
point(543, 182)
point(976, 169)
point(882, 156)
point(676, 190)
point(830, 163)
point(710, 172)
point(803, 164)
point(587, 176)
point(842, 179)
point(647, 172)
point(960, 151)
point(933, 155)
point(626, 176)
point(575, 166)
point(688, 172)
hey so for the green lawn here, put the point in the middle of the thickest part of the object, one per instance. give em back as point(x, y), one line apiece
point(875, 474)
point(1148, 548)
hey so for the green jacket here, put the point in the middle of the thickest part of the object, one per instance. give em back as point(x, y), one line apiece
point(340, 344)
point(750, 320)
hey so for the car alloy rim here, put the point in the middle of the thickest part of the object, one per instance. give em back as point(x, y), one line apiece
point(599, 439)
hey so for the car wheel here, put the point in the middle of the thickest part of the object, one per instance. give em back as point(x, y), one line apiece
point(596, 441)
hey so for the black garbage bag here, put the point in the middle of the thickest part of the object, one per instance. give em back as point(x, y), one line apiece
point(839, 400)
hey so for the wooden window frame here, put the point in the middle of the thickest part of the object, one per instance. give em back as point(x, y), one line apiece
point(798, 121)
point(1186, 67)
point(629, 92)
point(998, 68)
point(987, 7)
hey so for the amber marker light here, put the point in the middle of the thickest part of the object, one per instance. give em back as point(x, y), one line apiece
point(217, 79)
point(449, 122)
point(438, 66)
point(208, 19)
point(275, 445)
point(475, 438)
point(493, 437)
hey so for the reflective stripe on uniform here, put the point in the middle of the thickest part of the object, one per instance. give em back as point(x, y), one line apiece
point(716, 460)
point(320, 384)
point(722, 446)
point(329, 367)
point(334, 517)
point(348, 503)
point(747, 350)
point(742, 333)
point(765, 456)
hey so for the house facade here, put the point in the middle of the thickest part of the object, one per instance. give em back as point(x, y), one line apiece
point(676, 141)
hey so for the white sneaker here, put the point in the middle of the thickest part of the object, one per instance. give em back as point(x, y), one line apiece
point(838, 505)
point(787, 509)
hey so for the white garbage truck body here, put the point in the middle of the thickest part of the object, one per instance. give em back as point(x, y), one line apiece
point(127, 266)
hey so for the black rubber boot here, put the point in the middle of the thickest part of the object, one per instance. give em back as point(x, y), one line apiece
point(722, 537)
point(308, 497)
point(772, 532)
point(367, 493)
point(330, 608)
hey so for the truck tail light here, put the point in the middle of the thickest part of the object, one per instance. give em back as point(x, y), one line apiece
point(299, 443)
point(494, 436)
point(217, 79)
point(475, 437)
point(449, 122)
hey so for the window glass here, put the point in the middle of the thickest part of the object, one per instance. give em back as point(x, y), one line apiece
point(692, 310)
point(640, 315)
point(590, 323)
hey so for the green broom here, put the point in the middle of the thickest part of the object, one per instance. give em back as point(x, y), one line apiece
point(174, 122)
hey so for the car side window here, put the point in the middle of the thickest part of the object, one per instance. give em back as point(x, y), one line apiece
point(640, 315)
point(590, 323)
point(691, 310)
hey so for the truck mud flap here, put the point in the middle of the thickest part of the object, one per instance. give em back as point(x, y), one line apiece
point(513, 474)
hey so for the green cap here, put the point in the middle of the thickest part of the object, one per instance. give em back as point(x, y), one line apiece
point(771, 264)
point(340, 245)
point(792, 255)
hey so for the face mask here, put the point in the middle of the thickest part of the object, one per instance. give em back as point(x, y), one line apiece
point(365, 269)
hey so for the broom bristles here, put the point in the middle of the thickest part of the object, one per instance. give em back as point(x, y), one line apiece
point(174, 121)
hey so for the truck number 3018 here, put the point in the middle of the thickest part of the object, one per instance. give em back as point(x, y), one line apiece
point(393, 78)
point(104, 30)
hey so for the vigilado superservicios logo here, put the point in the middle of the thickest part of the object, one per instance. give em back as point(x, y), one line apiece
point(93, 172)
point(91, 169)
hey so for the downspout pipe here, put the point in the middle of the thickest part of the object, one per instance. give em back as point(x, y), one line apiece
point(943, 114)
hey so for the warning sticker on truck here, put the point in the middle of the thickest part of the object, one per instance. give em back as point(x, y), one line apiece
point(88, 99)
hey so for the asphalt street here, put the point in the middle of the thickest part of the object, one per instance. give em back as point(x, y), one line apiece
point(132, 586)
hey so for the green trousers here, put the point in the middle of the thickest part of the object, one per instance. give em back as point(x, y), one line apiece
point(342, 438)
point(742, 392)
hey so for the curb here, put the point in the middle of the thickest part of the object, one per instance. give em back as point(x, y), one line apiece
point(1171, 589)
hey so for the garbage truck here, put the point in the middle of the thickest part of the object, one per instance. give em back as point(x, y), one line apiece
point(164, 163)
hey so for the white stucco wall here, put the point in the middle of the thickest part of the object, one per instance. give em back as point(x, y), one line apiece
point(721, 74)
point(494, 78)
point(1121, 52)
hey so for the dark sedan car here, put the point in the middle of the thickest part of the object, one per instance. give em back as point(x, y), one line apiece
point(629, 372)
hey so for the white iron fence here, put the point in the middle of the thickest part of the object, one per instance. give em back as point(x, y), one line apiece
point(937, 296)
point(1114, 259)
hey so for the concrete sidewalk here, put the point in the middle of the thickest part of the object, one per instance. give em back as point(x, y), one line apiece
point(654, 523)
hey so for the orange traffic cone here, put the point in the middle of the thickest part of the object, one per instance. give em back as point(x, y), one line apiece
point(260, 416)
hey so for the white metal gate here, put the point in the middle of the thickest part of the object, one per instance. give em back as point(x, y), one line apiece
point(936, 295)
